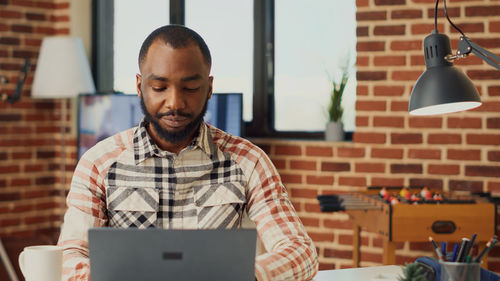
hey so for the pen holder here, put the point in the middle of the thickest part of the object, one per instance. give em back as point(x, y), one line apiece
point(459, 271)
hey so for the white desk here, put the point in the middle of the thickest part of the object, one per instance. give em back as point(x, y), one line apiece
point(375, 273)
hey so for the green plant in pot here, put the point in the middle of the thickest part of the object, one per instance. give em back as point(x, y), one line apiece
point(334, 128)
point(413, 272)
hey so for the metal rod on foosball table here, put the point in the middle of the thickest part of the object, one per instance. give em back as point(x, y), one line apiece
point(345, 202)
point(351, 206)
point(357, 202)
point(354, 201)
point(365, 207)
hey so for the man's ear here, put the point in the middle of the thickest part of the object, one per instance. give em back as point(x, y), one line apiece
point(138, 84)
point(210, 86)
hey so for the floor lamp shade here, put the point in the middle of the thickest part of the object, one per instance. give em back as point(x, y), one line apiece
point(442, 88)
point(62, 69)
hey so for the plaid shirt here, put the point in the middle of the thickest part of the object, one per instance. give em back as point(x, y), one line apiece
point(127, 181)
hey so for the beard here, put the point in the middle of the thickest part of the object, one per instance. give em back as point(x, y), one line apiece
point(174, 136)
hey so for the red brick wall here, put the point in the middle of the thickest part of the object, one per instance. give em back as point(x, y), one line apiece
point(453, 152)
point(459, 151)
point(30, 130)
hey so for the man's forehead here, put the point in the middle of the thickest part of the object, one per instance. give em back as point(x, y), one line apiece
point(161, 46)
point(155, 77)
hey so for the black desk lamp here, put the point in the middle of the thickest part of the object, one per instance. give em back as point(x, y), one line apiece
point(442, 88)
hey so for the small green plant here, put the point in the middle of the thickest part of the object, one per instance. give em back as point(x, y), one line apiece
point(335, 109)
point(412, 272)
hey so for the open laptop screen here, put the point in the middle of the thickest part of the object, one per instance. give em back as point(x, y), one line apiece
point(158, 254)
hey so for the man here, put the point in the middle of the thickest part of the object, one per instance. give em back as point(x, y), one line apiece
point(188, 174)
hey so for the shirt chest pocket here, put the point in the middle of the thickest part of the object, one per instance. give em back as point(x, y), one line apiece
point(132, 207)
point(219, 205)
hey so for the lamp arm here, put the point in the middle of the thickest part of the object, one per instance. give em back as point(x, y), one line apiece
point(19, 86)
point(466, 46)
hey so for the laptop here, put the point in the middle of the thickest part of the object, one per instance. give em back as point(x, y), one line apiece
point(158, 254)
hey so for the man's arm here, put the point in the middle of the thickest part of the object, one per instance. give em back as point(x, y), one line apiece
point(291, 254)
point(86, 209)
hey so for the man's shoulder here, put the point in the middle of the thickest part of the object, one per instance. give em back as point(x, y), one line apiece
point(228, 143)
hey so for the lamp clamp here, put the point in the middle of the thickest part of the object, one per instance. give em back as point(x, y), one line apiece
point(456, 56)
point(466, 47)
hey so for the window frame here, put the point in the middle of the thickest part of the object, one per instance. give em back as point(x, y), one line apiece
point(263, 110)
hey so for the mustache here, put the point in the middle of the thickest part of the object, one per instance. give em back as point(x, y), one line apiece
point(175, 113)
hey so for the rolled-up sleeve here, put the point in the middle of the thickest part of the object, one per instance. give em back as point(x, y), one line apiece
point(86, 209)
point(291, 254)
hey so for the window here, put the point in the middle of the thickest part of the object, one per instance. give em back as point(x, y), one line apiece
point(281, 54)
point(313, 41)
point(134, 20)
point(229, 35)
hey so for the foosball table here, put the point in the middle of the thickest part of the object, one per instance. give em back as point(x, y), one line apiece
point(414, 214)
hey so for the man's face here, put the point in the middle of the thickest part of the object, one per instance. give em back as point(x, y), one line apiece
point(174, 87)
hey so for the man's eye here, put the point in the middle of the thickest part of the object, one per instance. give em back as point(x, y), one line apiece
point(192, 90)
point(158, 89)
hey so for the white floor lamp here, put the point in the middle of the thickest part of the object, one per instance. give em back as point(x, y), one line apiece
point(62, 71)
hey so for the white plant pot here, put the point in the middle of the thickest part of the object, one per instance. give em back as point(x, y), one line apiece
point(334, 131)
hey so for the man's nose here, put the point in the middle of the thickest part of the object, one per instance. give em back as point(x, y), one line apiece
point(174, 99)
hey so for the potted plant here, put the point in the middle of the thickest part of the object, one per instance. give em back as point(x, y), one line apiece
point(413, 272)
point(334, 128)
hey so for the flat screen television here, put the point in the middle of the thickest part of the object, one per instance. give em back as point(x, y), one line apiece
point(101, 116)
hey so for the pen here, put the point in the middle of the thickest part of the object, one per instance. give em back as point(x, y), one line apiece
point(455, 252)
point(486, 249)
point(470, 245)
point(443, 250)
point(438, 252)
point(461, 250)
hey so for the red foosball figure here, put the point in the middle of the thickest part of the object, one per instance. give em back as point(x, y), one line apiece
point(437, 197)
point(383, 193)
point(414, 198)
point(394, 201)
point(425, 193)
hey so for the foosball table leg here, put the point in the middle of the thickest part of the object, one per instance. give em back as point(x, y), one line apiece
point(356, 244)
point(389, 254)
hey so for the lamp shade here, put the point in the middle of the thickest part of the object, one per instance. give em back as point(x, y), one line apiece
point(442, 88)
point(62, 69)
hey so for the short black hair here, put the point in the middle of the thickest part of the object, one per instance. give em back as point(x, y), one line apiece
point(177, 36)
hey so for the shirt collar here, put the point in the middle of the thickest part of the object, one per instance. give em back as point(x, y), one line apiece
point(145, 147)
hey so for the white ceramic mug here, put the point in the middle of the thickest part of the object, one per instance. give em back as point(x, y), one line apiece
point(41, 263)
